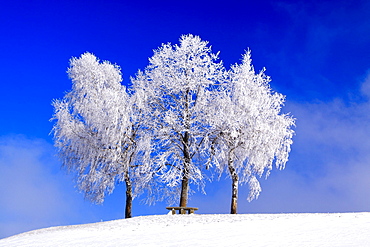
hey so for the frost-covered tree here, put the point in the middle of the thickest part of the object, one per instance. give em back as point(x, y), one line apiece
point(99, 131)
point(251, 133)
point(184, 113)
point(177, 85)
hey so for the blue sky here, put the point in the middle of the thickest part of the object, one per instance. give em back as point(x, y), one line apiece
point(317, 53)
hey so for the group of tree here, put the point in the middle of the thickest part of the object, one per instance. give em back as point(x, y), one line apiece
point(185, 115)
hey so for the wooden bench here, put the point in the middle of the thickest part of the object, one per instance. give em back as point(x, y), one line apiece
point(182, 210)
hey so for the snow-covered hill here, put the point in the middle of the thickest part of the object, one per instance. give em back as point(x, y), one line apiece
point(342, 229)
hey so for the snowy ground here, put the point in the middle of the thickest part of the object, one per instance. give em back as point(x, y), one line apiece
point(342, 229)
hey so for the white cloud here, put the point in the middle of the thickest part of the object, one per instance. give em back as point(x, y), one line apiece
point(365, 88)
point(329, 168)
point(31, 186)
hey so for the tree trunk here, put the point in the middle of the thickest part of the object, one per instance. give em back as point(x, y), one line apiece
point(185, 175)
point(184, 192)
point(128, 208)
point(235, 185)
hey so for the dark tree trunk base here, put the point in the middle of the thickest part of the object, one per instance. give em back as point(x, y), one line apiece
point(235, 185)
point(234, 197)
point(185, 175)
point(128, 208)
point(184, 192)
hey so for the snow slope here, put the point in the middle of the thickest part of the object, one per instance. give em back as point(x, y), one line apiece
point(342, 229)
